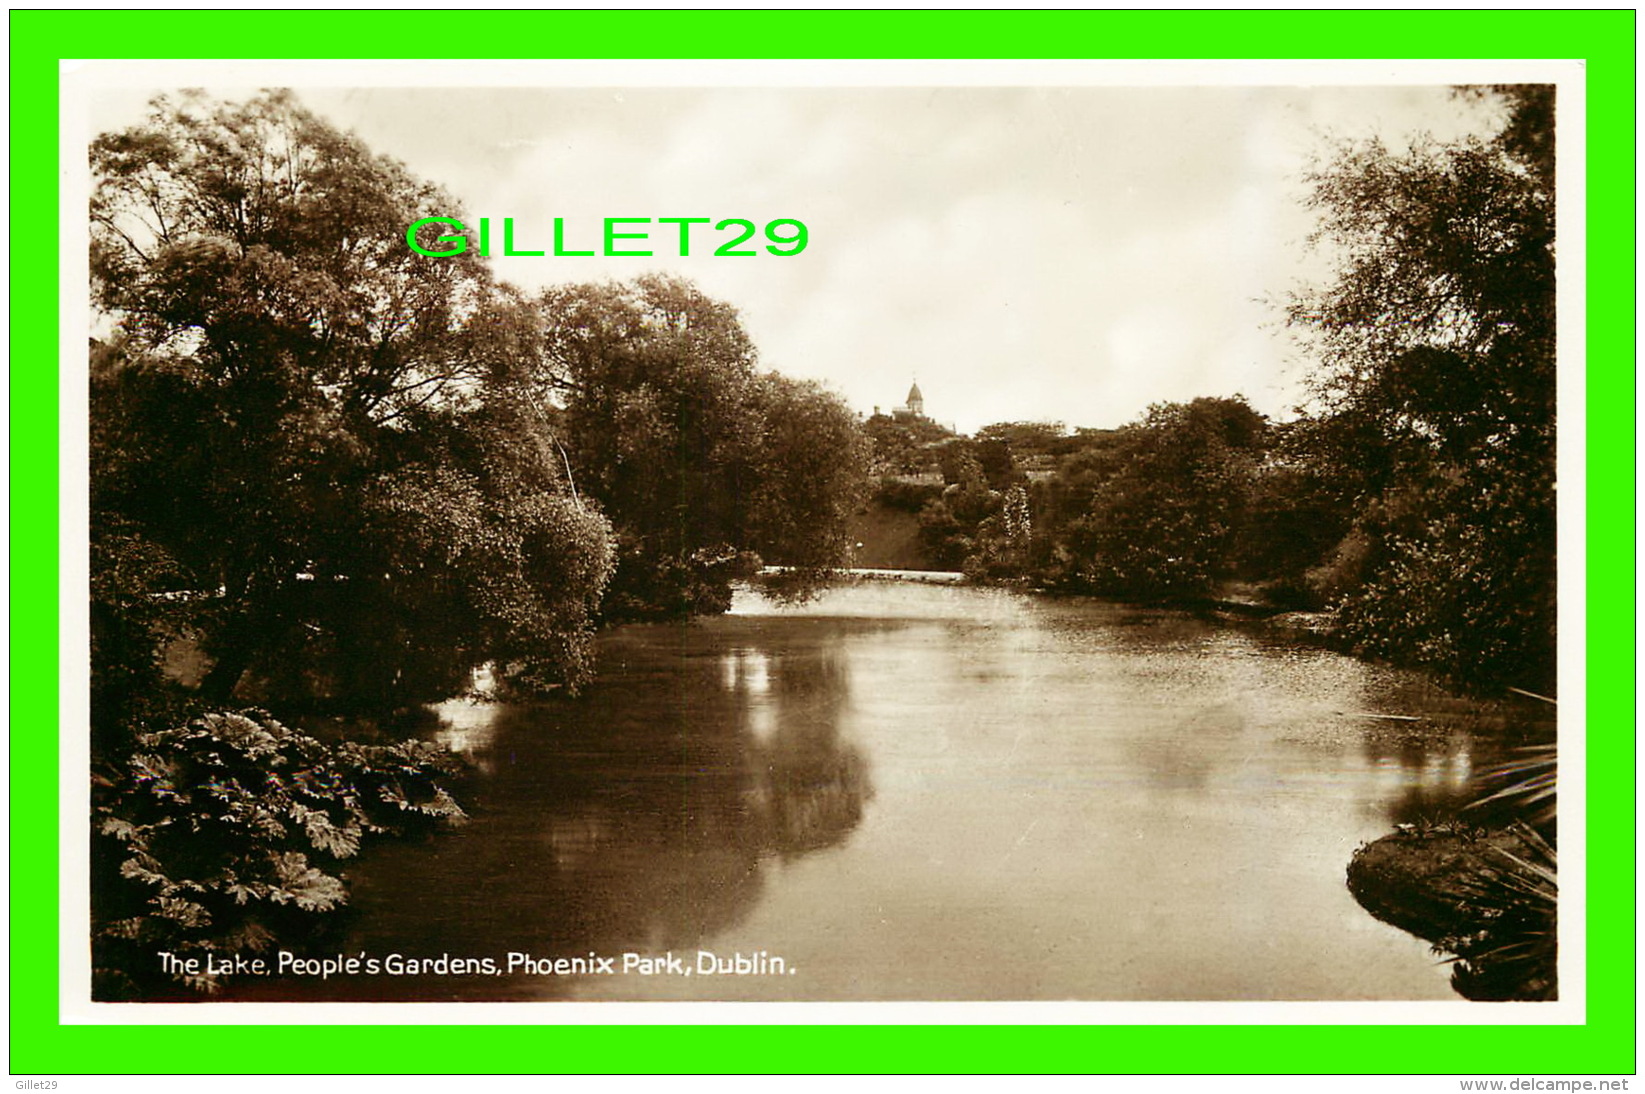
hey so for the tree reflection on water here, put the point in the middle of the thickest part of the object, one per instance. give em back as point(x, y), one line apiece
point(808, 787)
point(642, 816)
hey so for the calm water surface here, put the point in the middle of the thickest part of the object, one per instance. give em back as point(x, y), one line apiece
point(917, 792)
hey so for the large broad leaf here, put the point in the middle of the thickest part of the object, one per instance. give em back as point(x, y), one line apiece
point(444, 805)
point(141, 868)
point(249, 936)
point(243, 733)
point(120, 828)
point(308, 888)
point(185, 912)
point(338, 842)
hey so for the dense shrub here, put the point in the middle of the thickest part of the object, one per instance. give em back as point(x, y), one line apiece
point(906, 497)
point(1003, 543)
point(944, 539)
point(1470, 598)
point(1163, 523)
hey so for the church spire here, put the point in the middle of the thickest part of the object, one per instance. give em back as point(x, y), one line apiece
point(916, 401)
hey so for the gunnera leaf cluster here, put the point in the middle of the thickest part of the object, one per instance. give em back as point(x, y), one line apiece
point(224, 835)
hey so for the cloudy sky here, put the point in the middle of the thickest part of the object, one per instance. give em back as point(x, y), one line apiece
point(1044, 253)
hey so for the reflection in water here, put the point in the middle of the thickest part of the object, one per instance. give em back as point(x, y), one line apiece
point(643, 816)
point(810, 787)
point(574, 841)
point(467, 727)
point(921, 792)
point(1425, 778)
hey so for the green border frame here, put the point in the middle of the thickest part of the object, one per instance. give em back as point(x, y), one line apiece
point(1604, 39)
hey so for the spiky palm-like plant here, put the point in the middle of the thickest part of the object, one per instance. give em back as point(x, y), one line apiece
point(1529, 786)
point(1509, 947)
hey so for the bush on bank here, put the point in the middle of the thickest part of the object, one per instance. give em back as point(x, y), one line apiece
point(223, 836)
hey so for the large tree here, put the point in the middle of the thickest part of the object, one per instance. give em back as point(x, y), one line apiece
point(699, 459)
point(296, 427)
point(812, 462)
point(1436, 346)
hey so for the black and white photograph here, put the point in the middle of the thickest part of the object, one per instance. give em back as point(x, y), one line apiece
point(703, 537)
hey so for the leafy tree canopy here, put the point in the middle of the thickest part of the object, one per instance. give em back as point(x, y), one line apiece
point(297, 422)
point(905, 446)
point(699, 459)
point(1436, 345)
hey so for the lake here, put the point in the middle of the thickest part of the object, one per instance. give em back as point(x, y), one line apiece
point(918, 792)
